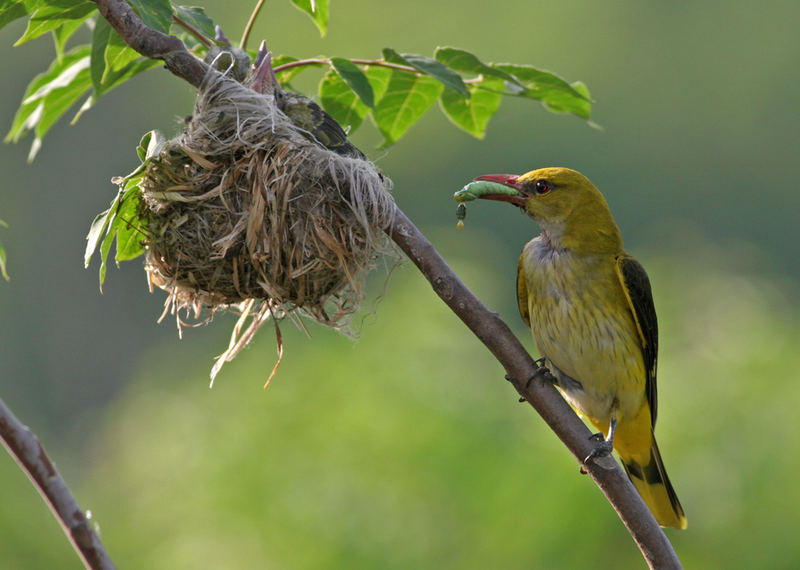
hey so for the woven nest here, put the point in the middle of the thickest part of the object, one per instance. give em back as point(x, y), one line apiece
point(245, 213)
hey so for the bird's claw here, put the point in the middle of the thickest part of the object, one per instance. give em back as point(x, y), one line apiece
point(543, 370)
point(603, 448)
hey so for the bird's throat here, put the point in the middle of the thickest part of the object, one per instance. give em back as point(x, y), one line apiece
point(546, 239)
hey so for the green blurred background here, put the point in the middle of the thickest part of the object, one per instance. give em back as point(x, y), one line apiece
point(406, 448)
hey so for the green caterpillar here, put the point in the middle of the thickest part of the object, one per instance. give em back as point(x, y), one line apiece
point(475, 190)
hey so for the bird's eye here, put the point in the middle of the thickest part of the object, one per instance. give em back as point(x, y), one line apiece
point(542, 187)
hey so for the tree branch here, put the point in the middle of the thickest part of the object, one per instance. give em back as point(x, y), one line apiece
point(540, 393)
point(23, 445)
point(487, 326)
point(152, 43)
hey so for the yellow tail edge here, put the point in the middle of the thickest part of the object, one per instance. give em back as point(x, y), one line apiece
point(653, 485)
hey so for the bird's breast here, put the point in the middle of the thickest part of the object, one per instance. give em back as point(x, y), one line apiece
point(582, 324)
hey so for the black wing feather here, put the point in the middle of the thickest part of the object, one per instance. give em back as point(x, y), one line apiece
point(637, 288)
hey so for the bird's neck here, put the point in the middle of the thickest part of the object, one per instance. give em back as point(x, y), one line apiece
point(582, 238)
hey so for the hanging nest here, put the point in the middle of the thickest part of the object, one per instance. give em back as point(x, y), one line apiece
point(246, 212)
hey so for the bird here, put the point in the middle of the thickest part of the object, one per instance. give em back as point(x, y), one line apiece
point(311, 120)
point(590, 308)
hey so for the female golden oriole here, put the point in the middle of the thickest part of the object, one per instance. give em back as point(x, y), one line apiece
point(590, 308)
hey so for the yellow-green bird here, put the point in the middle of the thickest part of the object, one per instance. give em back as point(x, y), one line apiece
point(590, 309)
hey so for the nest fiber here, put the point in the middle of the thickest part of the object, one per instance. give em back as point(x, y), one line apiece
point(246, 212)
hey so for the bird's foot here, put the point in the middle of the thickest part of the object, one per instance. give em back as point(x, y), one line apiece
point(603, 448)
point(543, 370)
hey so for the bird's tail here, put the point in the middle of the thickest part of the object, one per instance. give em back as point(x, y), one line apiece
point(650, 479)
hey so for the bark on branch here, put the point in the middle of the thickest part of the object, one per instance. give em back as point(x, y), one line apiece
point(539, 392)
point(486, 325)
point(23, 445)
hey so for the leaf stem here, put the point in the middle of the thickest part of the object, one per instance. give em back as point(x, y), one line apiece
point(198, 35)
point(249, 27)
point(327, 61)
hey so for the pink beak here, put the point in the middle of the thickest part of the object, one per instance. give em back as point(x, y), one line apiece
point(509, 180)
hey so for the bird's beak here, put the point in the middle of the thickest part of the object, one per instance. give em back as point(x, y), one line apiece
point(265, 80)
point(516, 196)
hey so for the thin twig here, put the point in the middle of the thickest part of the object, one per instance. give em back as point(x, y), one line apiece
point(249, 27)
point(23, 445)
point(327, 61)
point(198, 35)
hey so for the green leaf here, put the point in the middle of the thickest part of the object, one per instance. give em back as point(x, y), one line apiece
point(63, 74)
point(103, 73)
point(436, 69)
point(121, 223)
point(59, 101)
point(560, 102)
point(406, 99)
point(129, 229)
point(151, 144)
point(113, 79)
point(118, 55)
point(3, 271)
point(50, 95)
point(466, 62)
point(538, 79)
point(101, 35)
point(549, 88)
point(28, 114)
point(317, 10)
point(197, 18)
point(62, 34)
point(355, 79)
point(473, 114)
point(11, 10)
point(98, 229)
point(105, 247)
point(156, 14)
point(340, 102)
point(379, 78)
point(50, 17)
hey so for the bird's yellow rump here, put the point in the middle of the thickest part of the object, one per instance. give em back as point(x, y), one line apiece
point(590, 309)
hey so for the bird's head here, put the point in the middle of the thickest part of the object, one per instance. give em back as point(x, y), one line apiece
point(565, 204)
point(262, 77)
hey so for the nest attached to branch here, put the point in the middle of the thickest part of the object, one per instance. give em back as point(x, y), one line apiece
point(245, 213)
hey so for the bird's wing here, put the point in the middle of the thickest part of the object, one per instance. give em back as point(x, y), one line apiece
point(324, 129)
point(636, 286)
point(522, 294)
